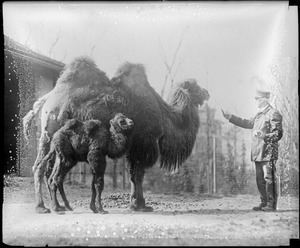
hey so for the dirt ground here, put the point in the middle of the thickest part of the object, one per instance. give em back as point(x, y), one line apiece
point(179, 219)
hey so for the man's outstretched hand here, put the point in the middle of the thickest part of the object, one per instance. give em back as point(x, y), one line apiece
point(226, 114)
point(259, 134)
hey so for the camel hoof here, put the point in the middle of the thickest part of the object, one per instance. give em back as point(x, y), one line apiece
point(59, 209)
point(102, 211)
point(94, 209)
point(60, 212)
point(69, 208)
point(42, 210)
point(141, 208)
point(99, 211)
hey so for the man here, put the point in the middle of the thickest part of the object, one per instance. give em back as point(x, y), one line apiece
point(267, 131)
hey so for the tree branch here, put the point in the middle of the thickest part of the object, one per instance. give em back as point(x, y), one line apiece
point(30, 32)
point(169, 66)
point(55, 42)
point(179, 45)
point(100, 37)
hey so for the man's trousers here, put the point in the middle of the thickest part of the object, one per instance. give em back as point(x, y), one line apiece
point(266, 182)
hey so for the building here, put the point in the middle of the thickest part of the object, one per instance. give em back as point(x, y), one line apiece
point(28, 76)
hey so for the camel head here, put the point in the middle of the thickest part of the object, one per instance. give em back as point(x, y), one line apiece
point(188, 91)
point(131, 75)
point(197, 94)
point(121, 124)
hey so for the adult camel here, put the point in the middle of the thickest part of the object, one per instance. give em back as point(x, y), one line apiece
point(84, 92)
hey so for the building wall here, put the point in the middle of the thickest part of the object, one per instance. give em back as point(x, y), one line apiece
point(43, 85)
point(28, 75)
point(11, 111)
point(43, 80)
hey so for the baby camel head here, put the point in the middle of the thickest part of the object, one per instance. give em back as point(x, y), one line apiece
point(121, 124)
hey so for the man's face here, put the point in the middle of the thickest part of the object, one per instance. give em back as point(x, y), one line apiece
point(261, 102)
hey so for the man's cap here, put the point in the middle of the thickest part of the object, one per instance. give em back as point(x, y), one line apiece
point(262, 94)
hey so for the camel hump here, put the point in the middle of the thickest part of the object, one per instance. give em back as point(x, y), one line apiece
point(82, 71)
point(131, 74)
point(82, 63)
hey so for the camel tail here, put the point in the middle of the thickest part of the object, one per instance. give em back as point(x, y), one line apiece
point(30, 116)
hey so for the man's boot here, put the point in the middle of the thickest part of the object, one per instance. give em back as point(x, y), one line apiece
point(268, 209)
point(259, 208)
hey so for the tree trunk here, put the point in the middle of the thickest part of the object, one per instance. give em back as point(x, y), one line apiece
point(208, 150)
point(114, 175)
point(124, 173)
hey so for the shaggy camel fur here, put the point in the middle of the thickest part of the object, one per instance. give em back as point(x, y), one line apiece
point(168, 129)
point(87, 141)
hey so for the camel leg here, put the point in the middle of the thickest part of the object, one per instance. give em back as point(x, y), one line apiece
point(93, 198)
point(55, 205)
point(38, 171)
point(56, 182)
point(63, 164)
point(38, 167)
point(48, 164)
point(48, 181)
point(137, 201)
point(98, 165)
point(53, 190)
point(38, 178)
point(61, 189)
point(58, 206)
point(97, 188)
point(132, 184)
point(139, 158)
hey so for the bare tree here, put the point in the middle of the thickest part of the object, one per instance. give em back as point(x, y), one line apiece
point(55, 42)
point(285, 98)
point(31, 29)
point(99, 39)
point(28, 37)
point(171, 72)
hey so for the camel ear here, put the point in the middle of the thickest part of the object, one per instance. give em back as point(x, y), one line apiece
point(204, 95)
point(189, 84)
point(91, 127)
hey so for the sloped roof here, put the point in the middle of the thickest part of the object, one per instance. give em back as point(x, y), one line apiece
point(23, 51)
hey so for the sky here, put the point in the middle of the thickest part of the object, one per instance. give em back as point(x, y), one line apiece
point(228, 47)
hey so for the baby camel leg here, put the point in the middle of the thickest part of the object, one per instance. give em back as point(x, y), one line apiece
point(56, 181)
point(60, 184)
point(98, 165)
point(52, 182)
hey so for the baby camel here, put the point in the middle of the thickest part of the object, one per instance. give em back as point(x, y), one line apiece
point(88, 141)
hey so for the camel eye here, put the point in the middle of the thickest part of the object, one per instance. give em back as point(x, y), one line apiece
point(123, 122)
